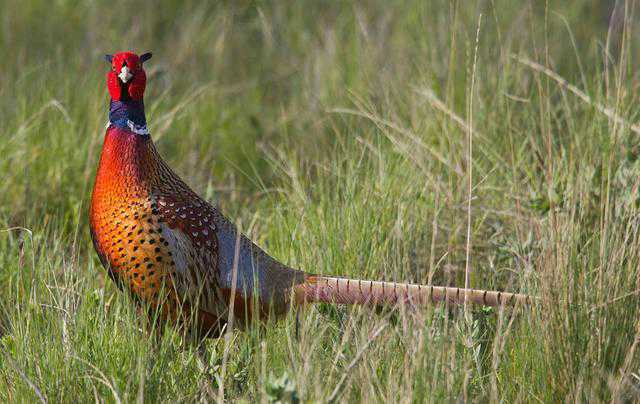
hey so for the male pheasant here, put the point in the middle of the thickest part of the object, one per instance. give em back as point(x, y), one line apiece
point(177, 254)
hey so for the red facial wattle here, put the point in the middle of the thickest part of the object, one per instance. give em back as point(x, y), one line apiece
point(113, 85)
point(130, 82)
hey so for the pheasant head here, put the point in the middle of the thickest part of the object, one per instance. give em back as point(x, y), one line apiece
point(126, 82)
point(127, 78)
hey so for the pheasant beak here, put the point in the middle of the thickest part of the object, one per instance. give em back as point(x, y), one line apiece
point(125, 74)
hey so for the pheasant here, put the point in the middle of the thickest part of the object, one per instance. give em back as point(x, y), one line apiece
point(178, 255)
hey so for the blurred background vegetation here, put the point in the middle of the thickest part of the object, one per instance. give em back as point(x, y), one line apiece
point(337, 135)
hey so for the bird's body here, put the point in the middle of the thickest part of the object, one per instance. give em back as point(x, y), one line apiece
point(179, 255)
point(165, 244)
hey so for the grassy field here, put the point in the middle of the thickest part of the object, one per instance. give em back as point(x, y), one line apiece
point(364, 139)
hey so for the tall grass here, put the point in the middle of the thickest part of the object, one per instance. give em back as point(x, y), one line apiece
point(337, 135)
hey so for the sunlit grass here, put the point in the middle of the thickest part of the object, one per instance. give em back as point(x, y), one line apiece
point(336, 136)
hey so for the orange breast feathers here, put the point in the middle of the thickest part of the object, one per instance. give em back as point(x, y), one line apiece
point(147, 231)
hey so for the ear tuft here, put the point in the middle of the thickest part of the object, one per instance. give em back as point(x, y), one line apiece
point(145, 56)
point(108, 58)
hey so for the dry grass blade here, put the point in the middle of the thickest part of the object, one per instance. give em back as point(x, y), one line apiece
point(229, 328)
point(24, 377)
point(615, 300)
point(603, 109)
point(383, 123)
point(102, 379)
point(437, 103)
point(467, 265)
point(354, 362)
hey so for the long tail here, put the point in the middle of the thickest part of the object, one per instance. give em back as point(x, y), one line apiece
point(325, 289)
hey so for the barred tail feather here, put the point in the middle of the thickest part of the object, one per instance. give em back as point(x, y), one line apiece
point(326, 289)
